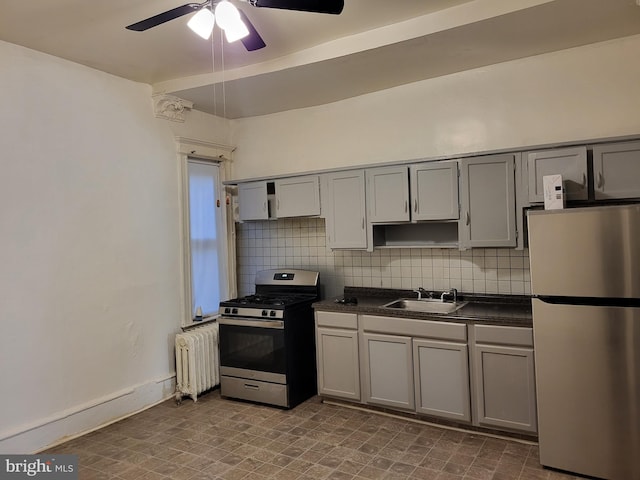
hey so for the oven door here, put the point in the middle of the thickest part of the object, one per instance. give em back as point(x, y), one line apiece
point(252, 348)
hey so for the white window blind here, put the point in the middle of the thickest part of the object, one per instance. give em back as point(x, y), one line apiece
point(206, 237)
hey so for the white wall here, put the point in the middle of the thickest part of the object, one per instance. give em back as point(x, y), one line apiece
point(201, 126)
point(578, 94)
point(90, 284)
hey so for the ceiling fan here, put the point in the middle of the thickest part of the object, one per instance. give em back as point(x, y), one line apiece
point(232, 20)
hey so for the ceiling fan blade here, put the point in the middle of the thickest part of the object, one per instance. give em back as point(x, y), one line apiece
point(253, 41)
point(317, 6)
point(163, 17)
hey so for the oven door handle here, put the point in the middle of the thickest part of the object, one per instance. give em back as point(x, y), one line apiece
point(242, 322)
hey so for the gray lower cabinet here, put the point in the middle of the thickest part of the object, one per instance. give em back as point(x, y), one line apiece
point(475, 374)
point(441, 376)
point(388, 368)
point(418, 365)
point(338, 362)
point(505, 395)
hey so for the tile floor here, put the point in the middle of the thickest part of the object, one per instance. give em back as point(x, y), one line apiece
point(217, 439)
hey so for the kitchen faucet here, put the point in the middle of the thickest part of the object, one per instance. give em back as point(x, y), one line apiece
point(453, 293)
point(421, 291)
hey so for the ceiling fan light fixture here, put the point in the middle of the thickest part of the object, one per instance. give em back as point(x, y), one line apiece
point(236, 31)
point(228, 18)
point(202, 23)
point(226, 14)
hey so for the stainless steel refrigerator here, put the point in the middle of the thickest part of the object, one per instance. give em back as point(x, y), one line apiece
point(585, 280)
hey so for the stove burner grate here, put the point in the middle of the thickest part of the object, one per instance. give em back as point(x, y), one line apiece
point(258, 299)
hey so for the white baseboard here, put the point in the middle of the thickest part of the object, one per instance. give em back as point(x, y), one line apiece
point(82, 419)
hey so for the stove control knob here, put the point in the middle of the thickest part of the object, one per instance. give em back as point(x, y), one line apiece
point(227, 310)
point(264, 313)
point(272, 313)
point(234, 310)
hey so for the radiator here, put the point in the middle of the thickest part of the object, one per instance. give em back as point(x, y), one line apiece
point(197, 361)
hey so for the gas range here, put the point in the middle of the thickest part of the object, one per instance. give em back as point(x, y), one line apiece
point(267, 340)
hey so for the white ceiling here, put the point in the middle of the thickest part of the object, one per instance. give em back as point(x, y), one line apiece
point(310, 59)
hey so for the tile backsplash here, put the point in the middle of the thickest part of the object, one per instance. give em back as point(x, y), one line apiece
point(301, 243)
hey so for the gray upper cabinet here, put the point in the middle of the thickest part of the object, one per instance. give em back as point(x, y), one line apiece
point(252, 199)
point(571, 163)
point(487, 200)
point(388, 194)
point(297, 196)
point(346, 210)
point(433, 194)
point(616, 170)
point(434, 191)
point(282, 198)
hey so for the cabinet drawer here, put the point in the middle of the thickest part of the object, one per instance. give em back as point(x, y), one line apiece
point(337, 320)
point(519, 336)
point(414, 327)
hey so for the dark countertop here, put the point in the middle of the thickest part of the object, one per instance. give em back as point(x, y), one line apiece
point(510, 310)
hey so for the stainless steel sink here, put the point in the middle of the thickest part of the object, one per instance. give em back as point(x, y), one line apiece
point(425, 305)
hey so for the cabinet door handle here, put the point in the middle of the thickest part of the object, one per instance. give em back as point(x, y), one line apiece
point(406, 206)
point(600, 180)
point(363, 223)
point(264, 207)
point(468, 219)
point(584, 181)
point(415, 205)
point(278, 204)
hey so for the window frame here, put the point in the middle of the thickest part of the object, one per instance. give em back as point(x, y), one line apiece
point(220, 155)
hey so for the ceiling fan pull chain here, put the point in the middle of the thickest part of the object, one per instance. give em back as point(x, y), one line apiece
point(224, 90)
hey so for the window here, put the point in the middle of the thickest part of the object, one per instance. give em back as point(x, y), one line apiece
point(207, 245)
